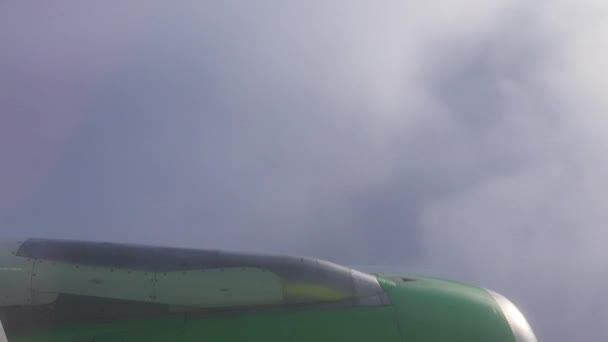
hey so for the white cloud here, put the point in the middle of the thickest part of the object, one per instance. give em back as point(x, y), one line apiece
point(470, 131)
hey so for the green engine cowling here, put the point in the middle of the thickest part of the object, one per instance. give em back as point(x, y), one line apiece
point(431, 309)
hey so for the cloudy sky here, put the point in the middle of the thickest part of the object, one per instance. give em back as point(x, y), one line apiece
point(462, 138)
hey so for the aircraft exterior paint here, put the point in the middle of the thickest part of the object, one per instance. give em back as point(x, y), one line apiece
point(55, 290)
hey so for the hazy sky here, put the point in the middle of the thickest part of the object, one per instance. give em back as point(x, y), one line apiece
point(465, 138)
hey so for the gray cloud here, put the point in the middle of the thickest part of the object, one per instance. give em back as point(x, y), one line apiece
point(465, 139)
